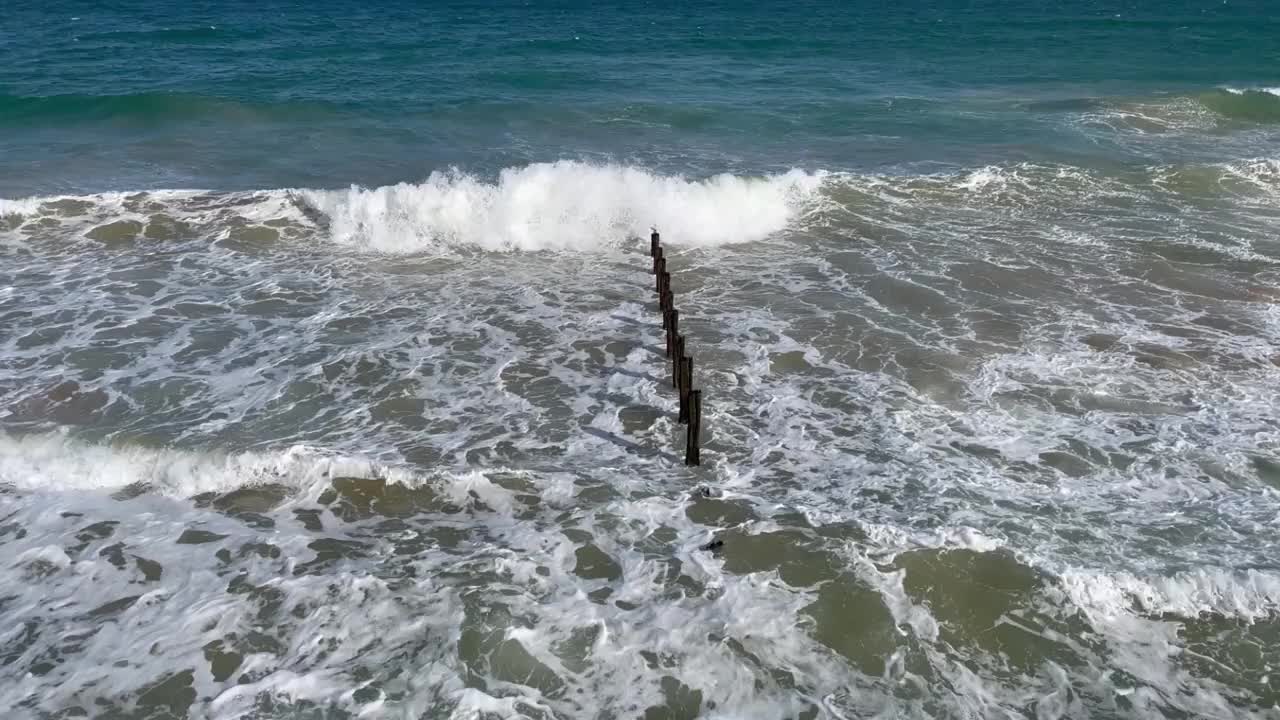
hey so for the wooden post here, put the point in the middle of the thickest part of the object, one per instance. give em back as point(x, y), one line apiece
point(654, 242)
point(686, 387)
point(666, 319)
point(673, 322)
point(659, 267)
point(677, 352)
point(657, 258)
point(671, 339)
point(668, 300)
point(692, 454)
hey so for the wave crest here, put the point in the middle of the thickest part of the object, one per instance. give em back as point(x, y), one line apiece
point(1257, 105)
point(56, 462)
point(563, 205)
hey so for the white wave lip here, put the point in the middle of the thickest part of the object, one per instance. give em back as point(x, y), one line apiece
point(55, 463)
point(564, 205)
point(1241, 91)
point(1249, 595)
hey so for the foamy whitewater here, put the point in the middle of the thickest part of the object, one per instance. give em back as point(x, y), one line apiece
point(332, 380)
point(564, 205)
point(328, 449)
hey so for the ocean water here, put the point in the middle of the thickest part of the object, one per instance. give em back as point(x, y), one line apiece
point(331, 376)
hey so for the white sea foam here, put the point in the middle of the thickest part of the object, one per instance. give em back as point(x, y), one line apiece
point(816, 407)
point(20, 206)
point(983, 178)
point(1262, 174)
point(1241, 91)
point(1156, 116)
point(1247, 595)
point(563, 205)
point(54, 462)
point(892, 539)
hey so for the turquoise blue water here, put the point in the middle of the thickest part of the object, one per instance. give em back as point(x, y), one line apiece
point(233, 96)
point(332, 381)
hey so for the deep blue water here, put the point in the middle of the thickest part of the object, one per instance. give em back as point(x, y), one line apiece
point(256, 95)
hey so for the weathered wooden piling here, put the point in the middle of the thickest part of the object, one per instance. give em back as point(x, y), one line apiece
point(685, 387)
point(681, 362)
point(672, 335)
point(693, 432)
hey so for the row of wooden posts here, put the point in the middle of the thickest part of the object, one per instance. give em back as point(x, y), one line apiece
point(681, 362)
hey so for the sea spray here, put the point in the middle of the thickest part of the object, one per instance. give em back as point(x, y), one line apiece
point(564, 205)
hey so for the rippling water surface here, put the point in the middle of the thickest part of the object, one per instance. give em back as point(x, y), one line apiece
point(375, 420)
